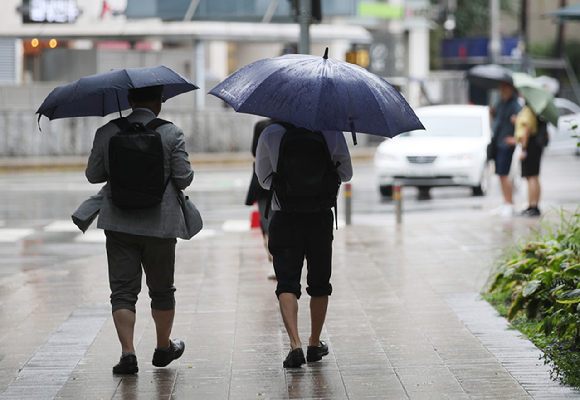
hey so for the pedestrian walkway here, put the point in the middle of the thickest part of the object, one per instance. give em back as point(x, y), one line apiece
point(404, 322)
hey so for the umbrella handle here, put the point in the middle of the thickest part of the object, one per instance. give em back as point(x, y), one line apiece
point(119, 104)
point(353, 132)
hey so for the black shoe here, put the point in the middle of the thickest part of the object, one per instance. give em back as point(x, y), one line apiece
point(295, 359)
point(315, 353)
point(532, 212)
point(162, 358)
point(126, 365)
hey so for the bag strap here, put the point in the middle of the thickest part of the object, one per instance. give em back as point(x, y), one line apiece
point(122, 123)
point(156, 123)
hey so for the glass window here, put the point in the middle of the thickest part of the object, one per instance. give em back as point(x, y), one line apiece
point(453, 126)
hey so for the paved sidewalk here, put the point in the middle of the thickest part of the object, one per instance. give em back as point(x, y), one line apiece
point(400, 325)
point(404, 321)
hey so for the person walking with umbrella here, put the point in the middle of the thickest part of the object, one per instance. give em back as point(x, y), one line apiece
point(295, 236)
point(503, 131)
point(143, 237)
point(323, 98)
point(527, 125)
point(531, 133)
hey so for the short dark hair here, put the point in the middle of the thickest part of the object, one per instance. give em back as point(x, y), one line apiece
point(146, 94)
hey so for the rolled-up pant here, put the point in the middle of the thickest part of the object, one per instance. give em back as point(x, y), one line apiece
point(128, 256)
point(298, 236)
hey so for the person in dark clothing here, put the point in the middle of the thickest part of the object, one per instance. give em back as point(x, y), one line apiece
point(297, 236)
point(503, 128)
point(143, 240)
point(256, 193)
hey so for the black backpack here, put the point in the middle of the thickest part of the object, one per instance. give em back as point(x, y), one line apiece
point(136, 167)
point(542, 137)
point(306, 179)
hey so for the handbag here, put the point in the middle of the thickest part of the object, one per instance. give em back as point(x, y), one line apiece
point(492, 149)
point(193, 221)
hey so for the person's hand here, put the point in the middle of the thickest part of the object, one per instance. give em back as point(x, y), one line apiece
point(510, 141)
point(523, 155)
point(513, 118)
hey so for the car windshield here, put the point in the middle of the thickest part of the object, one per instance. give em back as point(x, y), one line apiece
point(453, 126)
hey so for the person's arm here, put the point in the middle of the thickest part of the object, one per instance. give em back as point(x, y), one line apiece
point(181, 171)
point(524, 140)
point(96, 172)
point(263, 164)
point(339, 153)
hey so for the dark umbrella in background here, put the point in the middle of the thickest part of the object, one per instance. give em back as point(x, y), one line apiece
point(319, 94)
point(106, 93)
point(489, 76)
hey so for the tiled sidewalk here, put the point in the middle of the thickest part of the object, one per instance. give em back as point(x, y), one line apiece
point(395, 326)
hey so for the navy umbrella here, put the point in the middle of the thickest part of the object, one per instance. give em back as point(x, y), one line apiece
point(489, 76)
point(318, 93)
point(105, 93)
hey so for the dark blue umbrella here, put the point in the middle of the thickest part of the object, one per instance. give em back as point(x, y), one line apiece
point(103, 94)
point(318, 93)
point(489, 76)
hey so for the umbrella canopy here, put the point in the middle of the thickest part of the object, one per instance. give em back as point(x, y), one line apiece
point(105, 93)
point(537, 97)
point(572, 12)
point(319, 94)
point(489, 75)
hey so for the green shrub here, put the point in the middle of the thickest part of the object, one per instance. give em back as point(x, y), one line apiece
point(536, 285)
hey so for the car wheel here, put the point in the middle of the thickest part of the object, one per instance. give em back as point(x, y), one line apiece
point(386, 190)
point(424, 192)
point(481, 189)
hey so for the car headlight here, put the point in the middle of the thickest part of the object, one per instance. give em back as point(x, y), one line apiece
point(385, 157)
point(466, 157)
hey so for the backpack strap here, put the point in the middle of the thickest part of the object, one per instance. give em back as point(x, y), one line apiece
point(122, 123)
point(156, 123)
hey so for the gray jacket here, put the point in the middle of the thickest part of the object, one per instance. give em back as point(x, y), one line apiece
point(164, 220)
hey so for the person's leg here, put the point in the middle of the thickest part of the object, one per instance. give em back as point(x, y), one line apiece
point(125, 325)
point(125, 274)
point(506, 189)
point(288, 257)
point(159, 266)
point(319, 262)
point(163, 325)
point(534, 190)
point(289, 310)
point(318, 307)
point(503, 164)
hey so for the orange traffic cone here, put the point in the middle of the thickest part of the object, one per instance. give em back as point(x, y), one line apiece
point(255, 219)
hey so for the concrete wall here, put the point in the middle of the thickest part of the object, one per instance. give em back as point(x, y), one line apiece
point(205, 132)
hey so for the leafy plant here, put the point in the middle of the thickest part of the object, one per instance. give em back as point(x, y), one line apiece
point(538, 279)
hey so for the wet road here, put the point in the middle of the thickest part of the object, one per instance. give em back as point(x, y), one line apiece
point(36, 232)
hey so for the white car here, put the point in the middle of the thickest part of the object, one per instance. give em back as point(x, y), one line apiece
point(561, 137)
point(450, 152)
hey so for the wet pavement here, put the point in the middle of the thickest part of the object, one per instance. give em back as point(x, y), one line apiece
point(404, 321)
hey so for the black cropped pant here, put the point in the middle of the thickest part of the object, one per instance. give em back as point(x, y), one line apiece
point(298, 236)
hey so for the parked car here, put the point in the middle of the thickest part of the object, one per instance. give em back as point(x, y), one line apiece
point(450, 152)
point(561, 137)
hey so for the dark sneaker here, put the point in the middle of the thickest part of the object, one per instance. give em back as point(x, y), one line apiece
point(295, 359)
point(532, 212)
point(315, 353)
point(126, 365)
point(162, 357)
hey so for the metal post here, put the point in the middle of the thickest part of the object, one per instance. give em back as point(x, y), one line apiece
point(347, 203)
point(199, 62)
point(494, 48)
point(398, 199)
point(304, 11)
